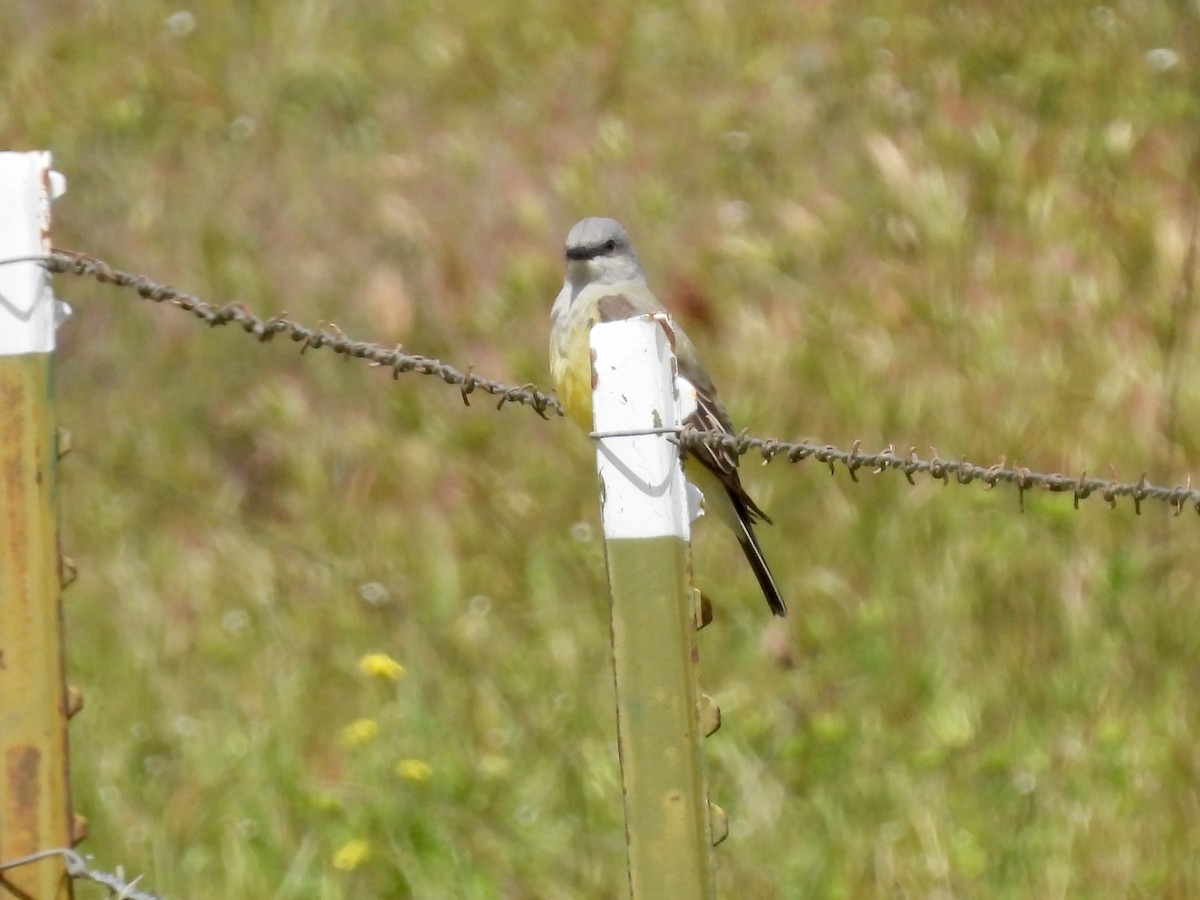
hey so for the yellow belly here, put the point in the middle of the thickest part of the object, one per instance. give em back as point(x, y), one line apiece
point(571, 369)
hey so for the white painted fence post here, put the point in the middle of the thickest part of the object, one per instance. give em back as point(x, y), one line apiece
point(34, 798)
point(645, 514)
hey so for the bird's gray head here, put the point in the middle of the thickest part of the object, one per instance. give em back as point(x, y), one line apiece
point(598, 251)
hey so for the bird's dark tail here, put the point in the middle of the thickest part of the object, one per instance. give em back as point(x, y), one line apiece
point(761, 570)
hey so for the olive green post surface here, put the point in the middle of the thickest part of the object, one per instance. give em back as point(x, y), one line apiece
point(666, 806)
point(34, 801)
point(645, 511)
point(34, 804)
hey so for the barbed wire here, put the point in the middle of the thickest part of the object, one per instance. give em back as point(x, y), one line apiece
point(77, 867)
point(324, 335)
point(950, 471)
point(947, 470)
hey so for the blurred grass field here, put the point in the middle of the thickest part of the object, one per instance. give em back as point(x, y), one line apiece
point(964, 226)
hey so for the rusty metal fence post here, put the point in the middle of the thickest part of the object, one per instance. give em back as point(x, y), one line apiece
point(34, 797)
point(661, 716)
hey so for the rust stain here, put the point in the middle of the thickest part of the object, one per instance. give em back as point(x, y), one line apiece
point(615, 308)
point(47, 196)
point(664, 322)
point(15, 531)
point(22, 766)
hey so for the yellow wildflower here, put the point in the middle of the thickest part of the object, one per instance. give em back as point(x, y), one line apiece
point(359, 732)
point(380, 665)
point(351, 855)
point(414, 770)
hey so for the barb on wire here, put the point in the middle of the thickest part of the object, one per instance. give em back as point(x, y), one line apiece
point(77, 867)
point(324, 335)
point(960, 471)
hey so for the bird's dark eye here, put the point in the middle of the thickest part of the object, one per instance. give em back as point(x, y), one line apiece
point(610, 245)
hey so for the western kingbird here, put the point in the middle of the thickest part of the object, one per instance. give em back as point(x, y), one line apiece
point(604, 282)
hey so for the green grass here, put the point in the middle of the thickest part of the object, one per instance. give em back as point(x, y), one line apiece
point(961, 226)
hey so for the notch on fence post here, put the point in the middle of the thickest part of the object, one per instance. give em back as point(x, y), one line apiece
point(34, 798)
point(645, 513)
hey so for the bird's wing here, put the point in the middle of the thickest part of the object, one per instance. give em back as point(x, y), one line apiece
point(711, 415)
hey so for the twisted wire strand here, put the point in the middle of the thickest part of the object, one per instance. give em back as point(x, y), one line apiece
point(324, 335)
point(77, 867)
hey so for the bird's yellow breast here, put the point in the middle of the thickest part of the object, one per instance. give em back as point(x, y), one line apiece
point(571, 367)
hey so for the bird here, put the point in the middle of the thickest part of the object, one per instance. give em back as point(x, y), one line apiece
point(604, 281)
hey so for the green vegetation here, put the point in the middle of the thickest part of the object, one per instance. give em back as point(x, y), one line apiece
point(960, 225)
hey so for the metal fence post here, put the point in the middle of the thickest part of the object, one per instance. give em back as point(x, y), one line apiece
point(34, 798)
point(644, 508)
